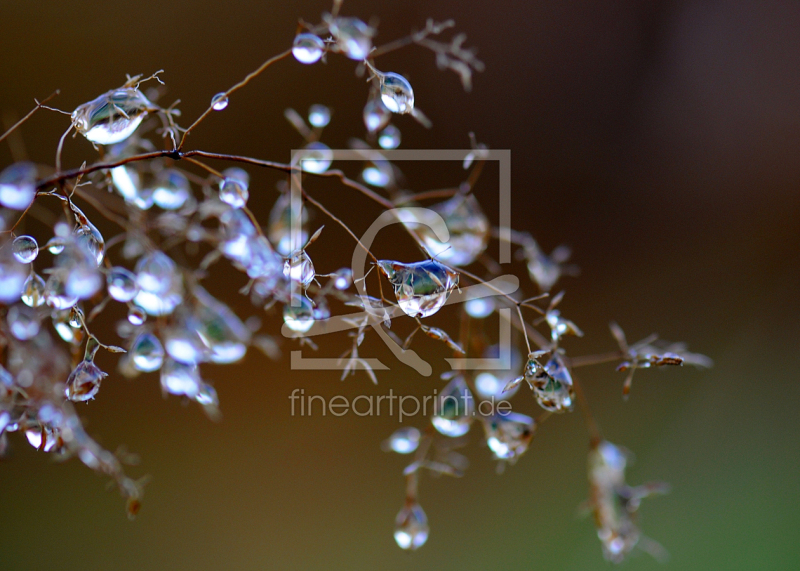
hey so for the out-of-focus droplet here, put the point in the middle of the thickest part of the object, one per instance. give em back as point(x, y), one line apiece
point(299, 314)
point(508, 435)
point(171, 190)
point(219, 329)
point(411, 527)
point(353, 36)
point(307, 48)
point(89, 237)
point(422, 288)
point(299, 268)
point(551, 384)
point(233, 189)
point(396, 93)
point(18, 186)
point(287, 236)
point(378, 173)
point(389, 137)
point(12, 276)
point(42, 438)
point(403, 440)
point(219, 101)
point(319, 115)
point(183, 343)
point(126, 181)
point(316, 157)
point(33, 290)
point(23, 321)
point(455, 408)
point(25, 249)
point(121, 284)
point(136, 315)
point(180, 379)
point(84, 381)
point(146, 352)
point(160, 284)
point(343, 279)
point(55, 292)
point(480, 308)
point(376, 116)
point(112, 117)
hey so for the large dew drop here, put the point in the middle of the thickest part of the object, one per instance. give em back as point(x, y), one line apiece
point(160, 285)
point(121, 284)
point(299, 268)
point(25, 249)
point(551, 384)
point(455, 409)
point(307, 48)
point(33, 290)
point(112, 117)
point(508, 435)
point(396, 93)
point(146, 352)
point(299, 314)
point(18, 186)
point(411, 527)
point(84, 382)
point(421, 288)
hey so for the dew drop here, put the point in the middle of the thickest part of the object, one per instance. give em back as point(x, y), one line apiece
point(233, 189)
point(25, 249)
point(411, 527)
point(343, 279)
point(18, 186)
point(42, 438)
point(56, 294)
point(13, 275)
point(121, 284)
point(421, 288)
point(136, 315)
point(287, 232)
point(307, 48)
point(480, 308)
point(353, 36)
point(316, 158)
point(319, 115)
point(299, 268)
point(55, 245)
point(126, 181)
point(112, 117)
point(378, 173)
point(180, 379)
point(23, 322)
point(171, 190)
point(389, 137)
point(84, 381)
point(219, 101)
point(508, 435)
point(404, 440)
point(33, 290)
point(146, 352)
point(376, 116)
point(299, 314)
point(455, 409)
point(396, 93)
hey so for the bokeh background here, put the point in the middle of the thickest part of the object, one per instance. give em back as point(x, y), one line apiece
point(658, 139)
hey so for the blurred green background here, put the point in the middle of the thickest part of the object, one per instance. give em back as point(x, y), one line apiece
point(658, 139)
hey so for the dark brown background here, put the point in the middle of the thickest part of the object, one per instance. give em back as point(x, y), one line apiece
point(659, 139)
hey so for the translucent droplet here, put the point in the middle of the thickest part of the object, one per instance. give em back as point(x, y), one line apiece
point(455, 409)
point(316, 158)
point(299, 314)
point(287, 236)
point(552, 384)
point(299, 268)
point(422, 288)
point(55, 292)
point(12, 276)
point(33, 290)
point(219, 329)
point(353, 36)
point(233, 189)
point(18, 186)
point(126, 181)
point(180, 379)
point(42, 438)
point(55, 245)
point(112, 117)
point(25, 249)
point(376, 116)
point(121, 284)
point(183, 343)
point(84, 382)
point(319, 115)
point(146, 352)
point(560, 326)
point(343, 279)
point(378, 173)
point(83, 281)
point(136, 315)
point(480, 308)
point(411, 527)
point(23, 322)
point(171, 190)
point(508, 435)
point(307, 48)
point(64, 329)
point(389, 137)
point(89, 237)
point(403, 440)
point(219, 101)
point(467, 225)
point(396, 93)
point(160, 285)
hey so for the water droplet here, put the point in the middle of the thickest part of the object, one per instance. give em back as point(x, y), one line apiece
point(65, 331)
point(18, 186)
point(299, 268)
point(343, 279)
point(23, 322)
point(219, 101)
point(396, 93)
point(508, 435)
point(55, 245)
point(378, 173)
point(466, 223)
point(403, 440)
point(55, 291)
point(43, 438)
point(84, 382)
point(112, 117)
point(353, 36)
point(307, 48)
point(25, 249)
point(455, 408)
point(146, 352)
point(160, 285)
point(389, 137)
point(126, 181)
point(286, 236)
point(315, 157)
point(422, 288)
point(233, 189)
point(219, 329)
point(33, 290)
point(171, 190)
point(551, 384)
point(12, 276)
point(480, 308)
point(376, 116)
point(319, 115)
point(136, 315)
point(121, 284)
point(411, 527)
point(299, 314)
point(560, 326)
point(180, 379)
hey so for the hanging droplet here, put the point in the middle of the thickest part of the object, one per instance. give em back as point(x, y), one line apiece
point(287, 232)
point(183, 343)
point(353, 37)
point(55, 292)
point(219, 329)
point(298, 315)
point(65, 331)
point(33, 290)
point(480, 308)
point(403, 440)
point(121, 284)
point(25, 249)
point(551, 384)
point(112, 117)
point(378, 173)
point(84, 382)
point(376, 116)
point(146, 352)
point(411, 527)
point(307, 48)
point(43, 438)
point(126, 181)
point(455, 409)
point(319, 115)
point(136, 315)
point(171, 190)
point(13, 275)
point(508, 435)
point(466, 223)
point(18, 186)
point(299, 268)
point(396, 93)
point(23, 322)
point(233, 189)
point(89, 237)
point(343, 279)
point(160, 285)
point(219, 101)
point(389, 137)
point(422, 288)
point(316, 157)
point(180, 379)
